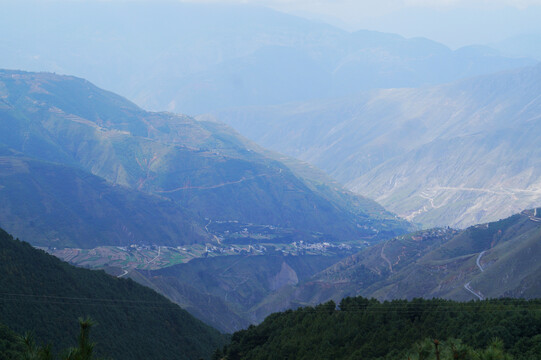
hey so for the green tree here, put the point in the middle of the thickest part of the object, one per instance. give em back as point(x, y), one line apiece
point(84, 350)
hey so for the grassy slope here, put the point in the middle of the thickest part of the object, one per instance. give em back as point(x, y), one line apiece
point(511, 248)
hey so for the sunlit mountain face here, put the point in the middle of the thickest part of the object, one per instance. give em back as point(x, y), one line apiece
point(450, 155)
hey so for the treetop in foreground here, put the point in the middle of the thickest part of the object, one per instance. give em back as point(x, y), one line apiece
point(359, 328)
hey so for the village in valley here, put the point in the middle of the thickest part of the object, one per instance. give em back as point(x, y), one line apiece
point(229, 238)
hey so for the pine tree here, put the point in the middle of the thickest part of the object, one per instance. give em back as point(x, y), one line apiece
point(84, 350)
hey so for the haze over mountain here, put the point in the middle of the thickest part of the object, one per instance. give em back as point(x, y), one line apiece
point(459, 23)
point(61, 137)
point(233, 232)
point(522, 45)
point(194, 58)
point(455, 154)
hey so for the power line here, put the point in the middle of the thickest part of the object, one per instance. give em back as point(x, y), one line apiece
point(81, 298)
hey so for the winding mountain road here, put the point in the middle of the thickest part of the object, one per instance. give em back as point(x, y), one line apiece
point(478, 260)
point(156, 257)
point(385, 257)
point(212, 186)
point(469, 288)
point(467, 285)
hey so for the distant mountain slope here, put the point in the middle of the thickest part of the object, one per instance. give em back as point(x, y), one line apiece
point(202, 166)
point(456, 154)
point(195, 58)
point(58, 205)
point(46, 296)
point(484, 261)
point(356, 273)
point(498, 259)
point(224, 291)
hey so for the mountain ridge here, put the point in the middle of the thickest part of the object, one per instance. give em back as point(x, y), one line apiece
point(204, 168)
point(233, 55)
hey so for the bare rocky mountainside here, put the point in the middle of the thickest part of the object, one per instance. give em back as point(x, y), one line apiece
point(78, 157)
point(451, 155)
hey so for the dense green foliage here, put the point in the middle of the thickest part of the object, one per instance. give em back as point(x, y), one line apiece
point(367, 329)
point(10, 346)
point(453, 349)
point(16, 347)
point(44, 295)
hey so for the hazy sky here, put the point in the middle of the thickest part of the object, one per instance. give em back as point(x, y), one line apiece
point(453, 22)
point(351, 9)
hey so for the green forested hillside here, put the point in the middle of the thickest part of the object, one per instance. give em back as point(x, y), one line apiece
point(367, 329)
point(41, 294)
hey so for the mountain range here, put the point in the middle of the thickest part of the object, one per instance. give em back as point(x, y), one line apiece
point(158, 56)
point(78, 157)
point(83, 167)
point(215, 222)
point(450, 155)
